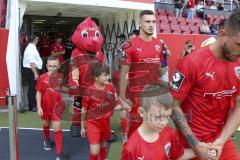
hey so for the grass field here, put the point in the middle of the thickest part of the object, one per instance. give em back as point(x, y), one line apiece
point(31, 120)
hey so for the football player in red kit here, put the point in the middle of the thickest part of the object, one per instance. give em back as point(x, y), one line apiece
point(58, 49)
point(141, 61)
point(98, 104)
point(50, 104)
point(206, 92)
point(154, 140)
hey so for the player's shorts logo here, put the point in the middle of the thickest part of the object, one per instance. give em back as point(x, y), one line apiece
point(177, 80)
point(237, 72)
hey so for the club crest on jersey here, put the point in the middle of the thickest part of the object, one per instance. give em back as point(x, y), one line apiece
point(237, 72)
point(177, 80)
point(167, 148)
point(123, 55)
point(157, 47)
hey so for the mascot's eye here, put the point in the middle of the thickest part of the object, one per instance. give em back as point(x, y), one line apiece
point(97, 34)
point(84, 34)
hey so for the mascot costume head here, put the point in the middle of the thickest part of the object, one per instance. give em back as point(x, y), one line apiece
point(87, 36)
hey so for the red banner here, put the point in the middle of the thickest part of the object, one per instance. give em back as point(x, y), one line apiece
point(175, 43)
point(4, 83)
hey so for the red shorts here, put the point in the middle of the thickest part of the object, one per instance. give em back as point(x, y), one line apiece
point(229, 151)
point(98, 130)
point(55, 113)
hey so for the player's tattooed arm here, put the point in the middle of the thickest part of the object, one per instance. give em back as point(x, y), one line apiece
point(181, 123)
point(200, 148)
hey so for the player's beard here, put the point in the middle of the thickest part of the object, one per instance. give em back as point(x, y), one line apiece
point(227, 54)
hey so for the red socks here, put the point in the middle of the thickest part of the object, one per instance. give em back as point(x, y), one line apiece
point(46, 132)
point(124, 124)
point(92, 157)
point(103, 153)
point(58, 141)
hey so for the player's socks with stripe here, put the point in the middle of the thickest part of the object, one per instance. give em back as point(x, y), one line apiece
point(103, 153)
point(58, 141)
point(92, 157)
point(47, 143)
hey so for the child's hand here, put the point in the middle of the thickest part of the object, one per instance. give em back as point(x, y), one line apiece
point(83, 132)
point(40, 111)
point(212, 154)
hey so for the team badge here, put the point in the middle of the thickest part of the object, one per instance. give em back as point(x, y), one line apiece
point(177, 80)
point(237, 72)
point(123, 55)
point(167, 148)
point(157, 47)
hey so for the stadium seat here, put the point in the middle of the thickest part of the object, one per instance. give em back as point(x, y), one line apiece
point(185, 29)
point(197, 21)
point(161, 12)
point(172, 20)
point(175, 28)
point(170, 13)
point(189, 21)
point(163, 19)
point(194, 29)
point(181, 20)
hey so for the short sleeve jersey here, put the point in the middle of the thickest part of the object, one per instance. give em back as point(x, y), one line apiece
point(144, 59)
point(99, 103)
point(166, 147)
point(50, 87)
point(206, 86)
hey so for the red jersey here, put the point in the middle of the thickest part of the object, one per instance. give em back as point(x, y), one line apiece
point(44, 47)
point(206, 86)
point(58, 48)
point(50, 87)
point(99, 103)
point(166, 147)
point(191, 4)
point(144, 59)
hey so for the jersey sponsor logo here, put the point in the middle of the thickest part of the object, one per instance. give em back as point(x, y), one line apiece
point(157, 47)
point(167, 148)
point(177, 80)
point(237, 72)
point(139, 49)
point(140, 158)
point(150, 60)
point(210, 75)
point(224, 93)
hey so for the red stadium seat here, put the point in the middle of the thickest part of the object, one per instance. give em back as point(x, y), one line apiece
point(175, 28)
point(161, 12)
point(185, 29)
point(170, 13)
point(181, 20)
point(172, 20)
point(163, 19)
point(194, 29)
point(190, 21)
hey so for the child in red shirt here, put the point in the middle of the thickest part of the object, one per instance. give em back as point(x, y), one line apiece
point(50, 104)
point(154, 139)
point(98, 104)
